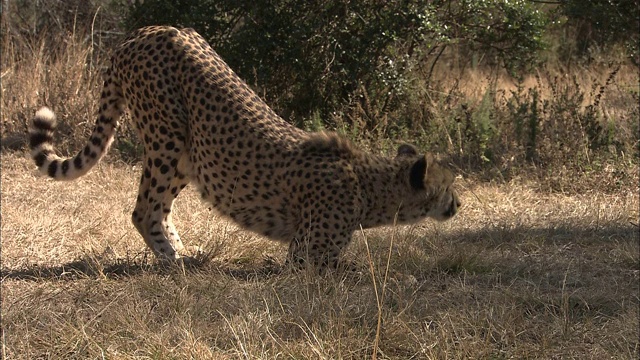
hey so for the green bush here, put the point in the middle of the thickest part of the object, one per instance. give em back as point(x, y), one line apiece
point(601, 24)
point(312, 58)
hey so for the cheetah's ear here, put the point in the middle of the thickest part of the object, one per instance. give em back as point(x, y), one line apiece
point(407, 150)
point(418, 172)
point(427, 174)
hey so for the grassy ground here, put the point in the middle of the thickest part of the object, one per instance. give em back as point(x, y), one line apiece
point(520, 273)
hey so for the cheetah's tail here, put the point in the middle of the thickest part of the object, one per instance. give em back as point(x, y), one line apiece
point(43, 125)
point(41, 131)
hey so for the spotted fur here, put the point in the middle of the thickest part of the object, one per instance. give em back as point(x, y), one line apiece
point(200, 123)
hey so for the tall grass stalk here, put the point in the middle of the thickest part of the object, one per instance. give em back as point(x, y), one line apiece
point(379, 295)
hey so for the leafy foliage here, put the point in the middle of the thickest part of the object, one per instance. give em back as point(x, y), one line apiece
point(603, 23)
point(312, 57)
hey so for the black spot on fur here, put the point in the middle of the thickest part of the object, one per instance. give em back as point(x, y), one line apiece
point(40, 158)
point(77, 162)
point(43, 124)
point(36, 139)
point(53, 168)
point(65, 167)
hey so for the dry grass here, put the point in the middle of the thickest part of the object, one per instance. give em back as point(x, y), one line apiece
point(519, 274)
point(522, 272)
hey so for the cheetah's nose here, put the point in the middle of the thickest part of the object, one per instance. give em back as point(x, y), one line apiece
point(453, 208)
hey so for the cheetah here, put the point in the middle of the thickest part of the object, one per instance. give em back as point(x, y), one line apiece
point(200, 123)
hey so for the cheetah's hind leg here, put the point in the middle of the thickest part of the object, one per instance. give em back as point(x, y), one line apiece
point(159, 187)
point(321, 256)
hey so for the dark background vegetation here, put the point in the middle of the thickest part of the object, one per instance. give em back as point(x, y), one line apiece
point(499, 86)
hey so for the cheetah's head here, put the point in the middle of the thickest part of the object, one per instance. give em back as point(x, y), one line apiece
point(431, 192)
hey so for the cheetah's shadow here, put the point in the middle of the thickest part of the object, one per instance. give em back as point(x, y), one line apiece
point(88, 268)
